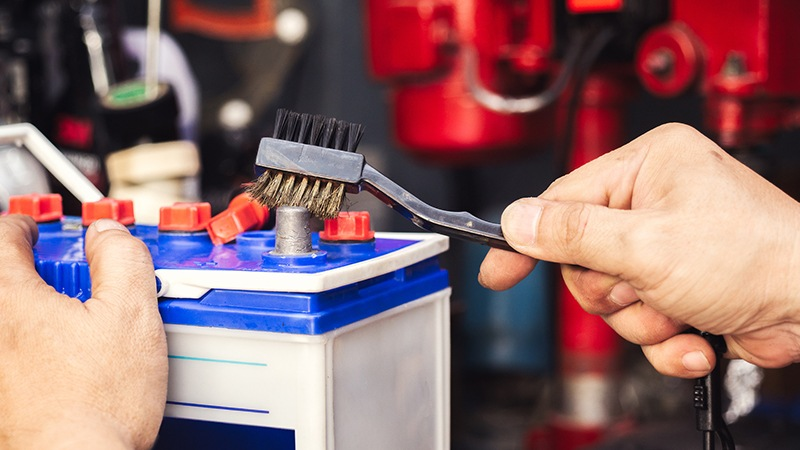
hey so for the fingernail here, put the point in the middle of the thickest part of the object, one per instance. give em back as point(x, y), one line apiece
point(107, 224)
point(521, 221)
point(623, 294)
point(696, 362)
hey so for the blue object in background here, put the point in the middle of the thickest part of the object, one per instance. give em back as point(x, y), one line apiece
point(510, 330)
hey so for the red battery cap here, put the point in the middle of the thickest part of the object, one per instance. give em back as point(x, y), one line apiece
point(243, 214)
point(184, 216)
point(352, 226)
point(108, 208)
point(42, 207)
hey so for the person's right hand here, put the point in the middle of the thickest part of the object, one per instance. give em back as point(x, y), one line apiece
point(668, 231)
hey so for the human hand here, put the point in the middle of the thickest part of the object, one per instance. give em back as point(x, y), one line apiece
point(80, 375)
point(666, 232)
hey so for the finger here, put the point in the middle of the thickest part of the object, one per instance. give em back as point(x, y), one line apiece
point(502, 269)
point(583, 234)
point(18, 234)
point(682, 356)
point(595, 182)
point(610, 179)
point(120, 265)
point(607, 180)
point(597, 292)
point(641, 324)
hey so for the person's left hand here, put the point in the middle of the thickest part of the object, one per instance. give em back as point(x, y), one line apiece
point(80, 375)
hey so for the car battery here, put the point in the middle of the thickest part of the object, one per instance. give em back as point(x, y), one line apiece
point(342, 344)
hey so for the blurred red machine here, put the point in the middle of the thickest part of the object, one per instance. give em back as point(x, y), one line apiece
point(473, 81)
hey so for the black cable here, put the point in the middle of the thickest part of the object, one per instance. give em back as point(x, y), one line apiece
point(708, 400)
point(708, 440)
point(597, 41)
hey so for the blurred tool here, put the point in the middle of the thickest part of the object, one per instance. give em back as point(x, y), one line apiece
point(82, 44)
point(150, 162)
point(57, 164)
point(142, 110)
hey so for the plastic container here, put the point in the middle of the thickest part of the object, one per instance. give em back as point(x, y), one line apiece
point(347, 348)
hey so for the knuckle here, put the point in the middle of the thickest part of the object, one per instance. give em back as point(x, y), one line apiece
point(9, 230)
point(121, 248)
point(589, 288)
point(574, 220)
point(678, 129)
point(124, 244)
point(551, 193)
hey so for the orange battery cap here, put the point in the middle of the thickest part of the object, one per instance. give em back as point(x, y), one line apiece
point(108, 208)
point(42, 207)
point(350, 226)
point(243, 214)
point(184, 216)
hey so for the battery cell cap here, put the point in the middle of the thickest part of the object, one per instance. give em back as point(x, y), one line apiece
point(41, 207)
point(184, 216)
point(243, 214)
point(350, 226)
point(108, 208)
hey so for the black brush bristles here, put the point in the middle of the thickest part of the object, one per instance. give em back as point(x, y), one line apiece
point(323, 198)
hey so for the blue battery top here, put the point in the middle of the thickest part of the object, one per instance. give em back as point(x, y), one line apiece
point(241, 285)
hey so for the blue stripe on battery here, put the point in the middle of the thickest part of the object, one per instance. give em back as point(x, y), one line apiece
point(224, 361)
point(224, 408)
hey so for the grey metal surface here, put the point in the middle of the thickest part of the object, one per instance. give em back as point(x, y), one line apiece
point(292, 231)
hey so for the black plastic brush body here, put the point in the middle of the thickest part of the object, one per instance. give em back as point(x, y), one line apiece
point(307, 169)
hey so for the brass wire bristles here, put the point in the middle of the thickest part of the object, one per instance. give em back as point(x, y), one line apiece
point(322, 197)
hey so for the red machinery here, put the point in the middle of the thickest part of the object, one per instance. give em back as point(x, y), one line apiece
point(474, 80)
point(415, 45)
point(738, 54)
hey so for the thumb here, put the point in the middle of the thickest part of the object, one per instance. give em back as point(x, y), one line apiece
point(584, 234)
point(120, 265)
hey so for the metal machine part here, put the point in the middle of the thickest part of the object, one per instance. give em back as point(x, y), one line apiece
point(93, 39)
point(472, 81)
point(738, 55)
point(57, 164)
point(292, 231)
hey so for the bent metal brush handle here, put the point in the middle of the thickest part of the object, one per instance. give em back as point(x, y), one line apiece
point(351, 169)
point(461, 225)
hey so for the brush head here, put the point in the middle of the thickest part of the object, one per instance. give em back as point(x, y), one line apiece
point(307, 163)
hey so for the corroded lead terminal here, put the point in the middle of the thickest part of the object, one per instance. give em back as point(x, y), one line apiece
point(292, 231)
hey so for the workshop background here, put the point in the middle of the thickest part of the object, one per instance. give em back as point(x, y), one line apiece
point(467, 104)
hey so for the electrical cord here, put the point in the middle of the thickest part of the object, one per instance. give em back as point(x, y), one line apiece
point(599, 38)
point(521, 105)
point(708, 400)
